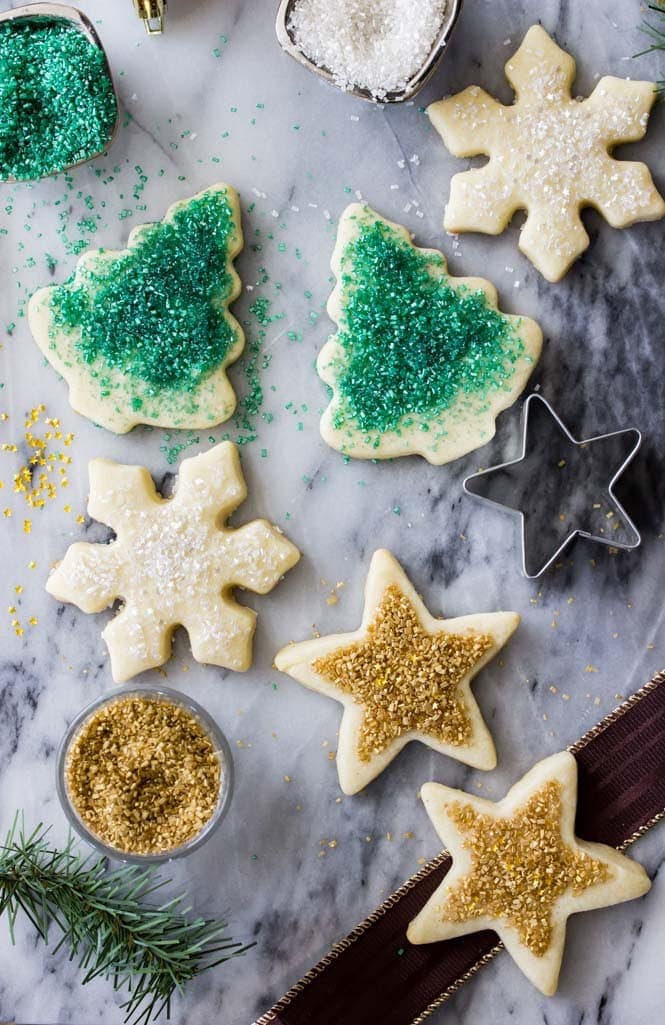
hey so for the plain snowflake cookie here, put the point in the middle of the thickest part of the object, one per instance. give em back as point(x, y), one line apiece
point(402, 676)
point(422, 362)
point(519, 869)
point(549, 154)
point(173, 563)
point(144, 335)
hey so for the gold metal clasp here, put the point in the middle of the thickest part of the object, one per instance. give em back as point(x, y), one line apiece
point(152, 14)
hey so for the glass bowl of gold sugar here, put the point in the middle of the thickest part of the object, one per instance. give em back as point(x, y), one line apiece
point(144, 775)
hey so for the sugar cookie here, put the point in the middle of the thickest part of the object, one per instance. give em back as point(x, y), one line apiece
point(519, 869)
point(422, 362)
point(144, 335)
point(549, 154)
point(402, 676)
point(173, 563)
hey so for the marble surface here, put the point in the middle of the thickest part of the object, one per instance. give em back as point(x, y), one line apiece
point(298, 151)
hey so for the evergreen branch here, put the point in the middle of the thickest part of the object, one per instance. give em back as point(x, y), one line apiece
point(657, 36)
point(108, 921)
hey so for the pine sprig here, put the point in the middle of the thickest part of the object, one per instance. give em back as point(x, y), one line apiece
point(109, 921)
point(656, 34)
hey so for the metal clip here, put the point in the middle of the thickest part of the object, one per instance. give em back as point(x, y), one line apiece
point(152, 13)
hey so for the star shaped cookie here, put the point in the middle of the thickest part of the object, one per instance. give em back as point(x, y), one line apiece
point(403, 676)
point(173, 562)
point(519, 869)
point(422, 362)
point(143, 335)
point(549, 154)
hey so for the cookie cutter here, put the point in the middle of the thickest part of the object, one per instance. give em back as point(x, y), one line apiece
point(152, 13)
point(63, 12)
point(415, 83)
point(476, 483)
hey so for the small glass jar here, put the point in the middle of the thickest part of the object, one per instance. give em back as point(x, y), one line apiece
point(221, 748)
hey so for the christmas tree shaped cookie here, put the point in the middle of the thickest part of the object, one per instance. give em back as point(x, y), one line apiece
point(519, 869)
point(144, 335)
point(173, 562)
point(549, 154)
point(403, 676)
point(422, 362)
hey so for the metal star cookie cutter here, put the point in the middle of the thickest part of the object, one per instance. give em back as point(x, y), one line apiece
point(415, 83)
point(33, 12)
point(580, 505)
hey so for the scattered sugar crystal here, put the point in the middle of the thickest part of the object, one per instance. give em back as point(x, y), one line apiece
point(377, 45)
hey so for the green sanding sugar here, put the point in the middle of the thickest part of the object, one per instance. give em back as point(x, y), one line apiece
point(412, 343)
point(57, 104)
point(156, 310)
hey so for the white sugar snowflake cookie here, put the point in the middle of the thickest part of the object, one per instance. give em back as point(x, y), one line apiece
point(173, 562)
point(549, 154)
point(403, 676)
point(519, 869)
point(143, 335)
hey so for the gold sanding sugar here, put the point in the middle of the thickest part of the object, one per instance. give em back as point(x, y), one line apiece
point(406, 678)
point(520, 867)
point(143, 775)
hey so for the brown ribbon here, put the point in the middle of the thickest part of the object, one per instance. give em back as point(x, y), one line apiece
point(375, 974)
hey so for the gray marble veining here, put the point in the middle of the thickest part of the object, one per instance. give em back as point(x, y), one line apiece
point(298, 151)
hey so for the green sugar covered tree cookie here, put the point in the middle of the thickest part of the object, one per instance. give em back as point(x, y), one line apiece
point(422, 362)
point(144, 335)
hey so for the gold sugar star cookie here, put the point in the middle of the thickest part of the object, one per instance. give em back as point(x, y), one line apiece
point(173, 562)
point(519, 869)
point(549, 154)
point(403, 676)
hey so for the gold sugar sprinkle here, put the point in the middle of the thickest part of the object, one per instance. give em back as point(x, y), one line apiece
point(143, 775)
point(405, 678)
point(520, 867)
point(32, 479)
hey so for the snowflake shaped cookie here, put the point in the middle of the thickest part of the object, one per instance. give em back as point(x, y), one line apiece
point(422, 362)
point(173, 562)
point(519, 869)
point(403, 676)
point(549, 154)
point(143, 335)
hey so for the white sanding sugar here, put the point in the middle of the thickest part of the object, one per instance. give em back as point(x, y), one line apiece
point(375, 44)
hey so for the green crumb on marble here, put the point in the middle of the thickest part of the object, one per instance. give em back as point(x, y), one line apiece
point(412, 343)
point(172, 452)
point(156, 310)
point(56, 97)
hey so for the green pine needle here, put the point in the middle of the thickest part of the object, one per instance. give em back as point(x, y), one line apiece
point(108, 920)
point(656, 34)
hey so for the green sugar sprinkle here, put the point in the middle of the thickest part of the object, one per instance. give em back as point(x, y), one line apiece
point(412, 343)
point(56, 98)
point(156, 311)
